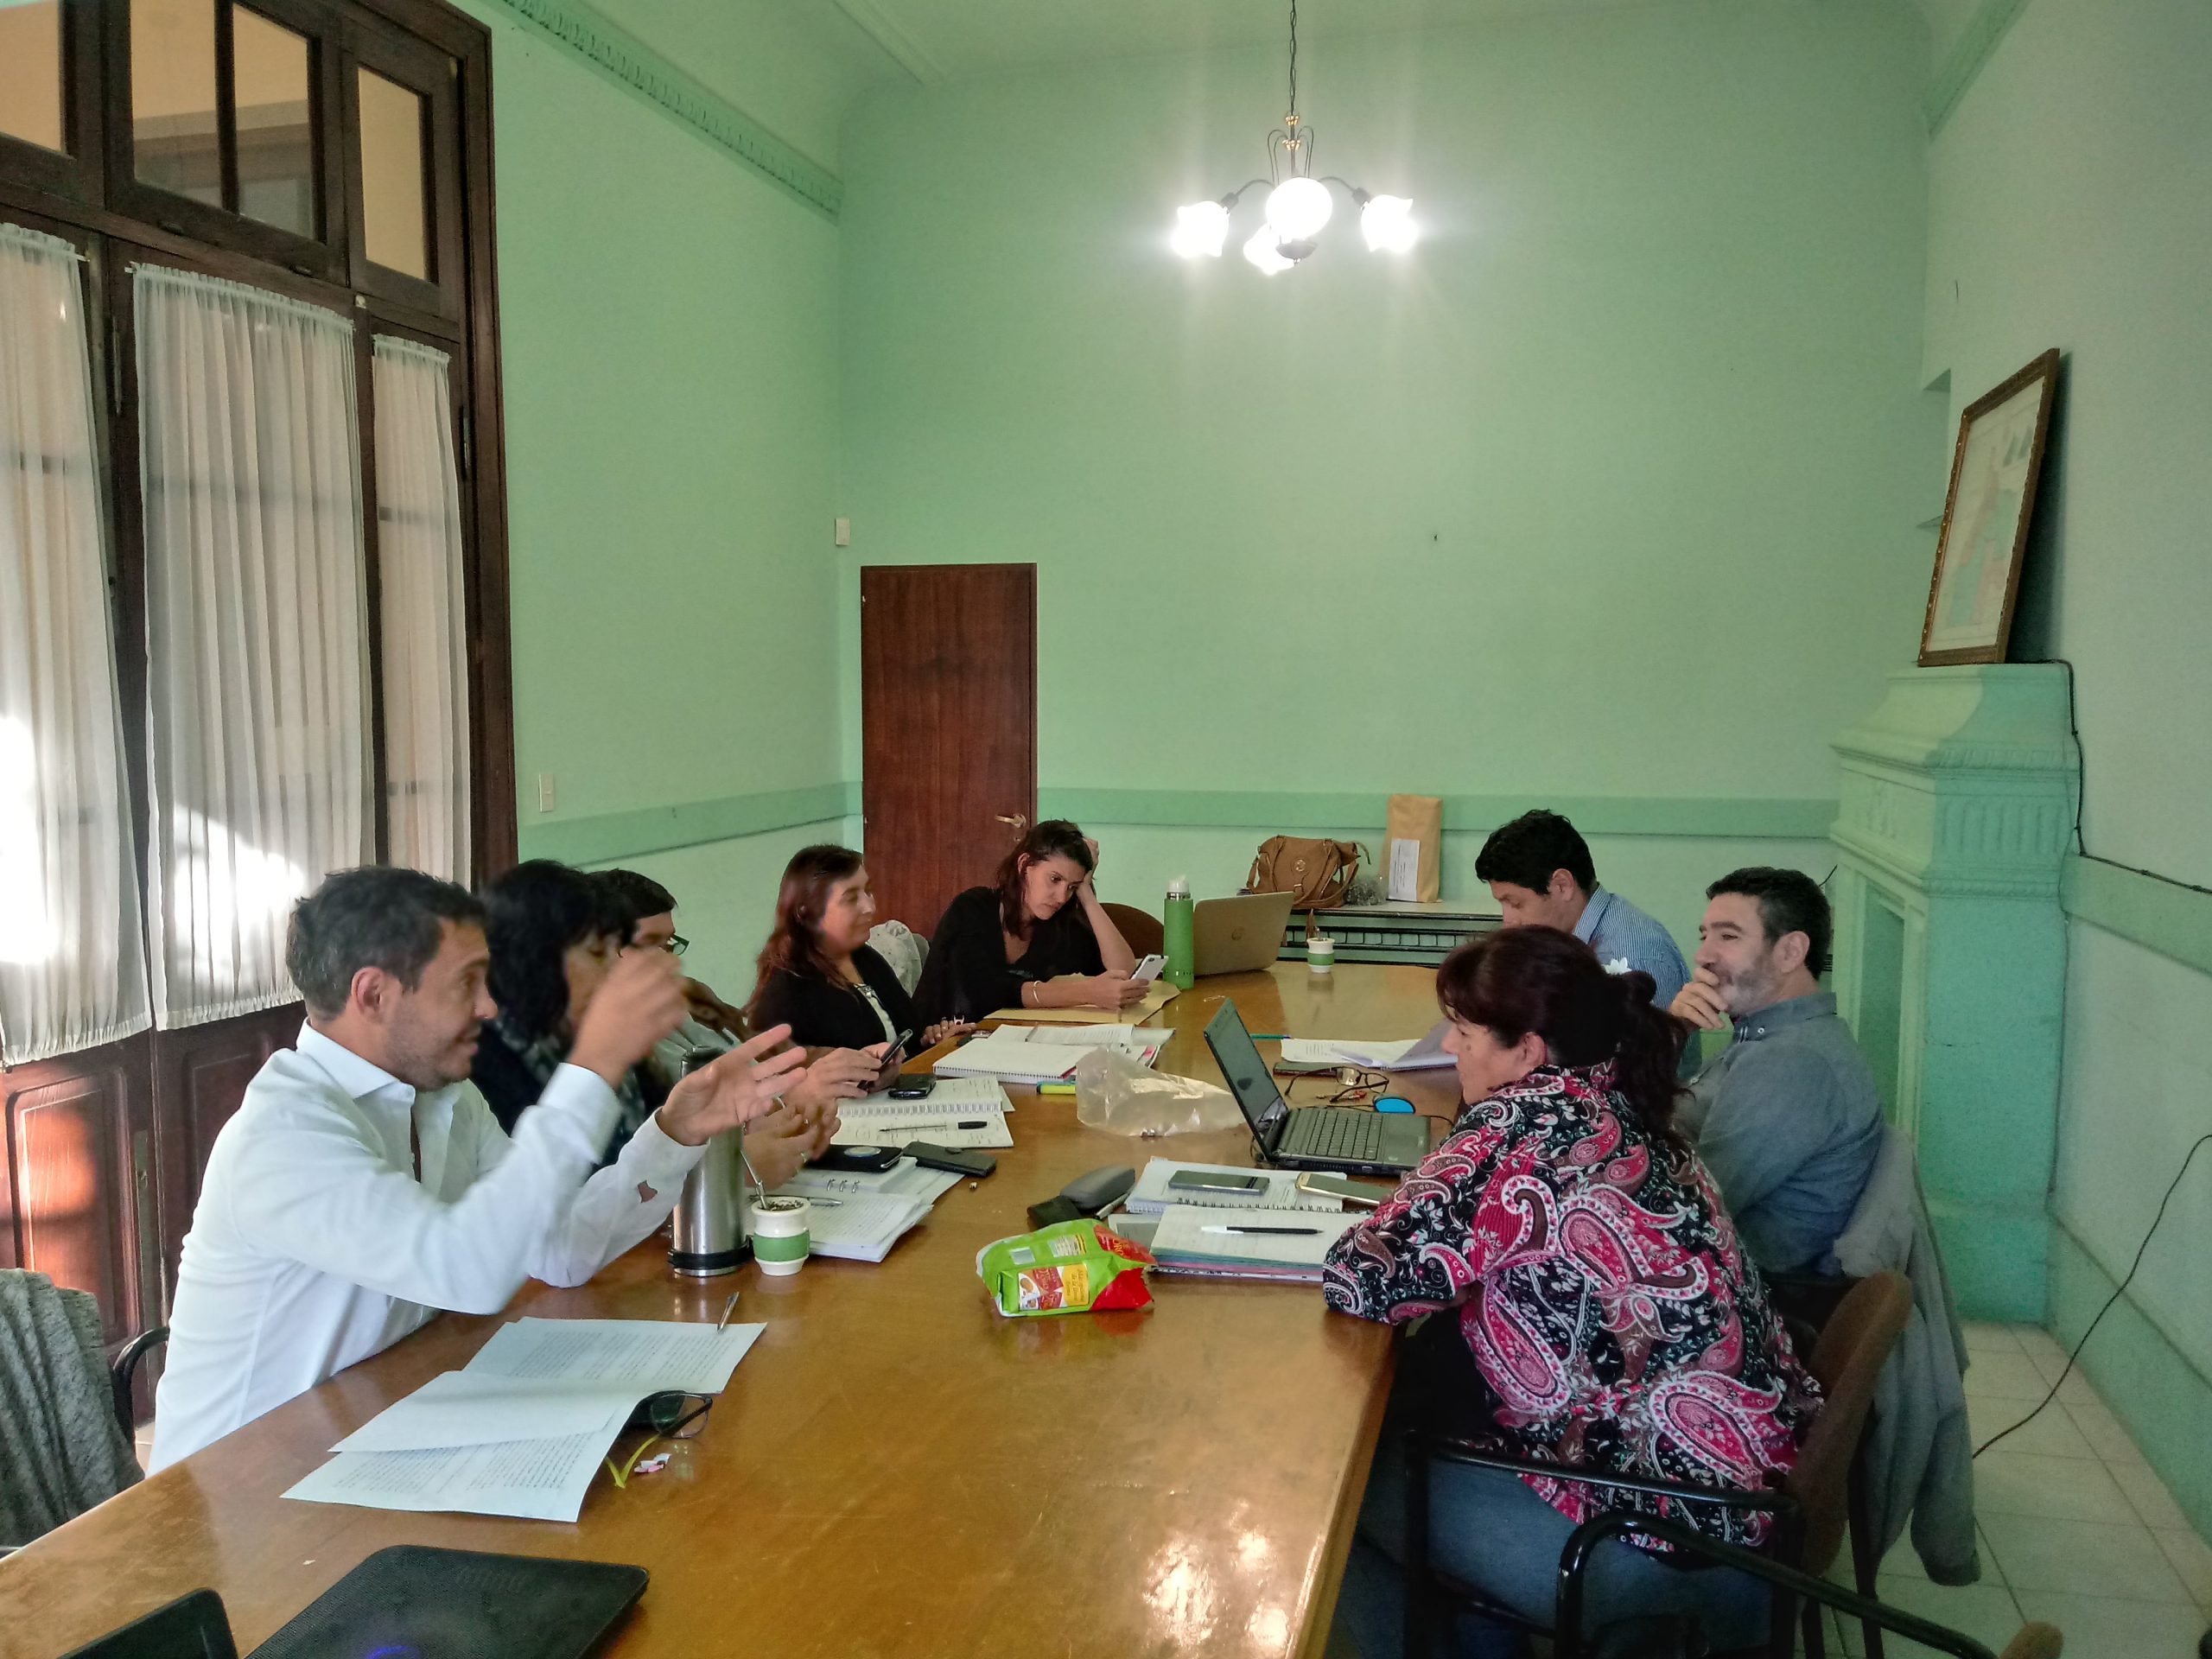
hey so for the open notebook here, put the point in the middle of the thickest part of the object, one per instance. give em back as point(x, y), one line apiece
point(1031, 1055)
point(1279, 1190)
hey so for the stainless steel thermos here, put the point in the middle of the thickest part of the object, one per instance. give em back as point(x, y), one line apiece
point(711, 1218)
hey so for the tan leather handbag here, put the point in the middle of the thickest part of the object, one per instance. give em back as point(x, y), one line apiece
point(1318, 872)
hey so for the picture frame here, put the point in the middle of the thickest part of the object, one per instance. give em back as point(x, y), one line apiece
point(1994, 469)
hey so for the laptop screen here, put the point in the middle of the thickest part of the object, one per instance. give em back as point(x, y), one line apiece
point(1244, 1070)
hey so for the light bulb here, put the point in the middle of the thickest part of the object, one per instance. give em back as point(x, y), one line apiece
point(1261, 250)
point(1298, 208)
point(1388, 224)
point(1200, 229)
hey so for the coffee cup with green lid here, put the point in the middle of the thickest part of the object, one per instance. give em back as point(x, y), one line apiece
point(782, 1234)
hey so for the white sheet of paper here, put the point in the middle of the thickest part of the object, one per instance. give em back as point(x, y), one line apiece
point(971, 1095)
point(1406, 1054)
point(657, 1354)
point(863, 1226)
point(536, 1480)
point(1405, 868)
point(458, 1408)
point(904, 1180)
point(1194, 1232)
point(941, 1130)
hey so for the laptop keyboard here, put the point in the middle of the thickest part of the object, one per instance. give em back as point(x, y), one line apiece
point(1334, 1132)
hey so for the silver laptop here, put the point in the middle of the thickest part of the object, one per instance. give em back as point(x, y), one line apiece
point(1235, 936)
point(1350, 1140)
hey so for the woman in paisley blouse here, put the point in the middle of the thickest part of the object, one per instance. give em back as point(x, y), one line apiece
point(1613, 1321)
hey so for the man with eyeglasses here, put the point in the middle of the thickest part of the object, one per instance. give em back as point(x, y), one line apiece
point(806, 1116)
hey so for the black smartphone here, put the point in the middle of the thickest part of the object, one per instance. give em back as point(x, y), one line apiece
point(912, 1086)
point(959, 1163)
point(858, 1160)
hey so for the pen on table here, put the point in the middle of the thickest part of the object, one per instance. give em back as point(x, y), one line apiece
point(726, 1306)
point(1287, 1232)
point(970, 1123)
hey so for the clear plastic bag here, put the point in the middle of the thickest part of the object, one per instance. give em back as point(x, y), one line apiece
point(1116, 1094)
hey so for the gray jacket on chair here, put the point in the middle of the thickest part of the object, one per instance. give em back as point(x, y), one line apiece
point(62, 1450)
point(1919, 1451)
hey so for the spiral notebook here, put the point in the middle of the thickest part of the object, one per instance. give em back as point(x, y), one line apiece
point(1151, 1197)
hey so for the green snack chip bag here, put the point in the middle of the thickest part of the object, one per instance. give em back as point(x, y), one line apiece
point(1064, 1268)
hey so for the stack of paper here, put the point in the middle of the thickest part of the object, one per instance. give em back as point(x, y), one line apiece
point(1246, 1243)
point(1409, 1054)
point(522, 1430)
point(861, 1226)
point(904, 1180)
point(1278, 1190)
point(1032, 1055)
point(1157, 998)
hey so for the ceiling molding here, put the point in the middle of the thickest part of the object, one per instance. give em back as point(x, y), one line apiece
point(901, 47)
point(627, 60)
point(1976, 43)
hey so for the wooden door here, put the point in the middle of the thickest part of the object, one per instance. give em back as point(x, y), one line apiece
point(199, 1078)
point(77, 1204)
point(948, 728)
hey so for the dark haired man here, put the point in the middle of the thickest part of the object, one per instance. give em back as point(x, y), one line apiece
point(1540, 871)
point(1787, 1117)
point(362, 1183)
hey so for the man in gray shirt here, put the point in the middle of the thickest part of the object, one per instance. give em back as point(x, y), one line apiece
point(1786, 1117)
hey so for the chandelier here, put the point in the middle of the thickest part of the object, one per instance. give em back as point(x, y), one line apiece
point(1298, 204)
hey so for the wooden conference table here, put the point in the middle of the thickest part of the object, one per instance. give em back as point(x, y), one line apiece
point(894, 1469)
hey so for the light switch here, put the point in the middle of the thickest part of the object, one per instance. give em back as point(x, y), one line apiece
point(843, 530)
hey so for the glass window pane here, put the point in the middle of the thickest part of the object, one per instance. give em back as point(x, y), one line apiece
point(393, 197)
point(276, 137)
point(172, 97)
point(30, 70)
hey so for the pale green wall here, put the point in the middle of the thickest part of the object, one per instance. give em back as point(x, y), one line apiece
point(2070, 205)
point(1609, 491)
point(670, 338)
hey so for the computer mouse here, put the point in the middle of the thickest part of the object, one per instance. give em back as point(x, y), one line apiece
point(1393, 1103)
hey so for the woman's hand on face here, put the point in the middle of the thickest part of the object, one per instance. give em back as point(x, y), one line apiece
point(711, 1011)
point(1112, 991)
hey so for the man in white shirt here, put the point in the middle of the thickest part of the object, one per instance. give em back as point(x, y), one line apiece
point(363, 1184)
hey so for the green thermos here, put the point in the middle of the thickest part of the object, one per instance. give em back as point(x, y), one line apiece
point(1175, 922)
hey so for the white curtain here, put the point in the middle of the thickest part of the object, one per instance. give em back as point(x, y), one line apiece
point(73, 971)
point(257, 641)
point(423, 610)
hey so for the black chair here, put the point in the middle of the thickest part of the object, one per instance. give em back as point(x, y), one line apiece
point(123, 1371)
point(1569, 1640)
point(1811, 1508)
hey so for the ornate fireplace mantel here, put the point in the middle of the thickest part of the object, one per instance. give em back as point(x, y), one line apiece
point(1959, 796)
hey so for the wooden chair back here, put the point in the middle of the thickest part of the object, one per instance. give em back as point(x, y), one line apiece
point(1143, 933)
point(1853, 1346)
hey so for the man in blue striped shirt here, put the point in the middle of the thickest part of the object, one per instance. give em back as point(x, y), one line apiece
point(1540, 871)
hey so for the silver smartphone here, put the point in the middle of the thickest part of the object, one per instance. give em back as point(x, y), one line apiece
point(1215, 1180)
point(1149, 970)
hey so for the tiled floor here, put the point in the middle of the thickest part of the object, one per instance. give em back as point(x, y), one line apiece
point(2075, 1528)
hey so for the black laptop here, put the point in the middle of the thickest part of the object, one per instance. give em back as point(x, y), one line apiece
point(1354, 1140)
point(414, 1601)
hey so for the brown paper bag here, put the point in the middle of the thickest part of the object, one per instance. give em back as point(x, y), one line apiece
point(1413, 852)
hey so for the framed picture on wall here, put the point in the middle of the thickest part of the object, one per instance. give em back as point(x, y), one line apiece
point(1993, 496)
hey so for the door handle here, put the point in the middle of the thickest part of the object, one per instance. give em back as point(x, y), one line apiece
point(1018, 820)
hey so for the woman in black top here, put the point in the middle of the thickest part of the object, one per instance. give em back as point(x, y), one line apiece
point(817, 974)
point(1038, 939)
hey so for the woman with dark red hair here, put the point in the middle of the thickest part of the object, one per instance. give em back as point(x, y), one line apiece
point(1577, 1252)
point(818, 974)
